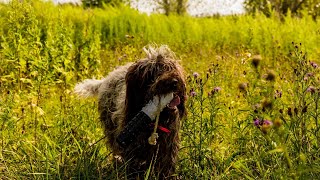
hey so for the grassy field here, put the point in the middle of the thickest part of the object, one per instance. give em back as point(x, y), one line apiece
point(253, 107)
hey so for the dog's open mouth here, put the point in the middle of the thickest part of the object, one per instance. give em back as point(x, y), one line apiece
point(174, 102)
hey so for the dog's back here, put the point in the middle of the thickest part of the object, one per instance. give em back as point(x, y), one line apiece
point(111, 95)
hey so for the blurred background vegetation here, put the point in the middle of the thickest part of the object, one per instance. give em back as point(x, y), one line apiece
point(243, 72)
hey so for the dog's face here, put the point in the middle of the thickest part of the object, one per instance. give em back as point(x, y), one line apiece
point(148, 78)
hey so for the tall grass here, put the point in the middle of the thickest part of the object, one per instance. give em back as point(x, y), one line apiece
point(47, 133)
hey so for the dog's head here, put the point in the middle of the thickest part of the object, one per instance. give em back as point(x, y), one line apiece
point(156, 75)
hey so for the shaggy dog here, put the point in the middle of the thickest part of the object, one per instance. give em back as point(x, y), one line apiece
point(131, 99)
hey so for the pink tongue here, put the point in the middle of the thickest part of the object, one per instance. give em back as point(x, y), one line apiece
point(175, 101)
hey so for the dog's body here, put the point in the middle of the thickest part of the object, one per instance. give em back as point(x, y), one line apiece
point(124, 93)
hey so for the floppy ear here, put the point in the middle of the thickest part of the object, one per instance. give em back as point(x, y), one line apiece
point(136, 96)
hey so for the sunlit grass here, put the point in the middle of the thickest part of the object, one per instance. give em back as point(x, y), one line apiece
point(46, 132)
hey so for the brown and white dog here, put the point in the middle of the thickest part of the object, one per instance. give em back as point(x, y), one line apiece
point(130, 99)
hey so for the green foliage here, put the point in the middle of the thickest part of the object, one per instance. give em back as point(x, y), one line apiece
point(282, 7)
point(240, 69)
point(100, 3)
point(46, 48)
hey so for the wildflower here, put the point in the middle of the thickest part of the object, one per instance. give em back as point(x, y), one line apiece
point(307, 76)
point(217, 89)
point(266, 126)
point(257, 106)
point(310, 74)
point(278, 94)
point(257, 122)
point(267, 104)
point(271, 76)
point(193, 93)
point(277, 123)
point(195, 75)
point(267, 123)
point(313, 64)
point(256, 60)
point(242, 86)
point(263, 125)
point(311, 89)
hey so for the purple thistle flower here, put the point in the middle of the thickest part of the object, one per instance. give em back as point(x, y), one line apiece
point(217, 89)
point(310, 74)
point(193, 93)
point(311, 89)
point(195, 75)
point(266, 126)
point(313, 64)
point(267, 123)
point(256, 122)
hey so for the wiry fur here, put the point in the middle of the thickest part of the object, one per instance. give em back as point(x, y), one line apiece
point(125, 91)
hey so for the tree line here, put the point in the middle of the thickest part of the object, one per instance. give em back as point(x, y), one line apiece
point(279, 7)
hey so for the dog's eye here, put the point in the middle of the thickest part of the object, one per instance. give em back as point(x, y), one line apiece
point(174, 83)
point(175, 80)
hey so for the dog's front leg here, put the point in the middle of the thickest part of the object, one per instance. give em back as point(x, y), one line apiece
point(141, 122)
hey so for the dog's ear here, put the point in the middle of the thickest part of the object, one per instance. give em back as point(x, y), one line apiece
point(136, 91)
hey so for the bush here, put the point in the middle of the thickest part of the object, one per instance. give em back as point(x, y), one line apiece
point(282, 7)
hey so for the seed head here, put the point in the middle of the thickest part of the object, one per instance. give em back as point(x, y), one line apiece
point(304, 109)
point(278, 94)
point(195, 75)
point(243, 86)
point(277, 123)
point(271, 76)
point(289, 111)
point(267, 104)
point(256, 60)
